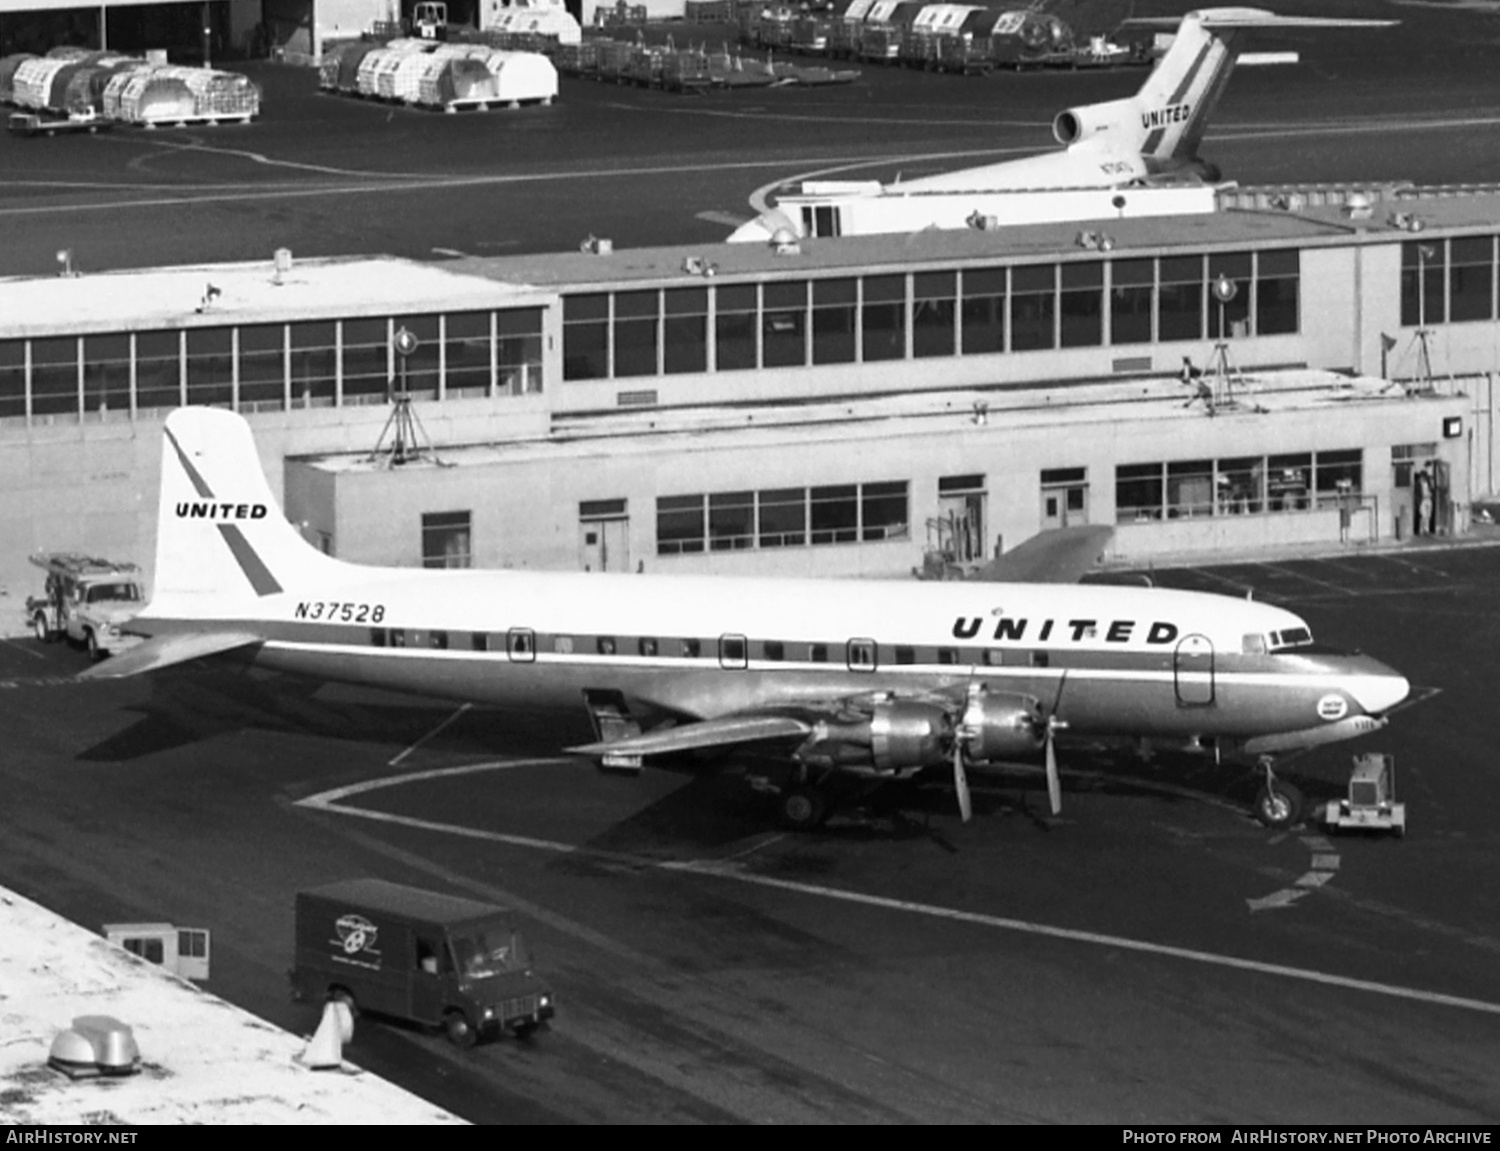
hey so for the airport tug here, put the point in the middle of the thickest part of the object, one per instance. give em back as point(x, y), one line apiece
point(1371, 803)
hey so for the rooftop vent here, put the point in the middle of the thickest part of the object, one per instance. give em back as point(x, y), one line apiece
point(784, 242)
point(95, 1045)
point(597, 245)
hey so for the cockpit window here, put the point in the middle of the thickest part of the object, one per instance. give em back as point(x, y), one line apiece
point(1291, 637)
point(1253, 644)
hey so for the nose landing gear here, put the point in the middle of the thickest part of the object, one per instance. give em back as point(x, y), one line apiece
point(1279, 805)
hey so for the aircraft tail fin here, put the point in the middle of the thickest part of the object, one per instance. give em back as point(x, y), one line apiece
point(1179, 96)
point(220, 536)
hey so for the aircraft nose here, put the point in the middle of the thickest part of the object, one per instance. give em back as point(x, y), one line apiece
point(1379, 690)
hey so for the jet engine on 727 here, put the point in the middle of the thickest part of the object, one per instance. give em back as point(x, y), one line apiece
point(1074, 124)
point(899, 737)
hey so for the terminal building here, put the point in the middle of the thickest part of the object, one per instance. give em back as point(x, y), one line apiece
point(1299, 366)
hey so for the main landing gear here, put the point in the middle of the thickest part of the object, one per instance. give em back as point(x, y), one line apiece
point(1279, 805)
point(803, 807)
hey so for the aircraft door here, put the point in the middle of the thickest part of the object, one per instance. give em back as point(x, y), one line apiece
point(1193, 671)
point(603, 536)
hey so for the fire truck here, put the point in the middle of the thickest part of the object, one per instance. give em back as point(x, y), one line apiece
point(86, 601)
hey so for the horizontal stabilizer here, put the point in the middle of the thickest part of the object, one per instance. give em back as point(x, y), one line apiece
point(724, 732)
point(1061, 555)
point(1226, 18)
point(166, 650)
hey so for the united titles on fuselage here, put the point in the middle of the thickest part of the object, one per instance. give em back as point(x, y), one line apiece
point(1074, 630)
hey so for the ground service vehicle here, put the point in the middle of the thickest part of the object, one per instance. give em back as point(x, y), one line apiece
point(438, 960)
point(86, 601)
point(1371, 804)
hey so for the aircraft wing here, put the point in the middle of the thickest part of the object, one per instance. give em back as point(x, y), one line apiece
point(722, 732)
point(1061, 555)
point(166, 650)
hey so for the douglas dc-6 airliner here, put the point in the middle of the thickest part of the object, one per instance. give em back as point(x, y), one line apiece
point(863, 681)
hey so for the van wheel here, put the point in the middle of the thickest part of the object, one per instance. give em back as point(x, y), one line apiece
point(91, 642)
point(459, 1031)
point(43, 633)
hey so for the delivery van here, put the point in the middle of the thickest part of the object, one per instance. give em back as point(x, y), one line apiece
point(434, 959)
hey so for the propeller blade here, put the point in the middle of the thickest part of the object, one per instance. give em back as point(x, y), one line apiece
point(961, 783)
point(1054, 782)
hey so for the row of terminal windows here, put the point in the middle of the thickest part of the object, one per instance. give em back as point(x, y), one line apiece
point(977, 311)
point(1448, 281)
point(269, 367)
point(1248, 485)
point(782, 517)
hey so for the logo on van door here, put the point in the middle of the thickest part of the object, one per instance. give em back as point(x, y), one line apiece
point(356, 933)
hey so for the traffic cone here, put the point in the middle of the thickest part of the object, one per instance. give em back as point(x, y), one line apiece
point(325, 1050)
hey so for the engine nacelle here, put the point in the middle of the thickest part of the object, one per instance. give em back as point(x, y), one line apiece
point(900, 737)
point(1075, 124)
point(906, 733)
point(1001, 725)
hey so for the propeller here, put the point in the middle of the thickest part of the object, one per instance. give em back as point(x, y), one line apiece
point(961, 781)
point(1054, 725)
point(962, 733)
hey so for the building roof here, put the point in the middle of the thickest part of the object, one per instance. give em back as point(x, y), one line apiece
point(1254, 394)
point(203, 1060)
point(211, 295)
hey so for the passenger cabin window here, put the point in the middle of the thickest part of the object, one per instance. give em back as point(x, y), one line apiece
point(691, 648)
point(947, 655)
point(377, 637)
point(775, 649)
point(563, 645)
point(438, 639)
point(733, 651)
point(398, 637)
point(520, 642)
point(646, 646)
point(605, 645)
point(818, 653)
point(479, 641)
point(861, 655)
point(906, 654)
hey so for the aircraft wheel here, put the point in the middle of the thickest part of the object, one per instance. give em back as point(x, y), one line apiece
point(803, 808)
point(459, 1030)
point(1281, 807)
point(39, 628)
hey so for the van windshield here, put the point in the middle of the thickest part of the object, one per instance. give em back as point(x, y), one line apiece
point(114, 593)
point(488, 951)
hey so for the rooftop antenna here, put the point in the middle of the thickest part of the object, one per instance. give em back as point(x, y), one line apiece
point(409, 440)
point(1221, 364)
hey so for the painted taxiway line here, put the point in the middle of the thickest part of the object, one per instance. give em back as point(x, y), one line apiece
point(331, 802)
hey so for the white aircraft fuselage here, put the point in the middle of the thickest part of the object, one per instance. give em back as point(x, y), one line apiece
point(233, 575)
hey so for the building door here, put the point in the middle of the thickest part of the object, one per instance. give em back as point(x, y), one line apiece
point(603, 536)
point(1193, 671)
point(1065, 497)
